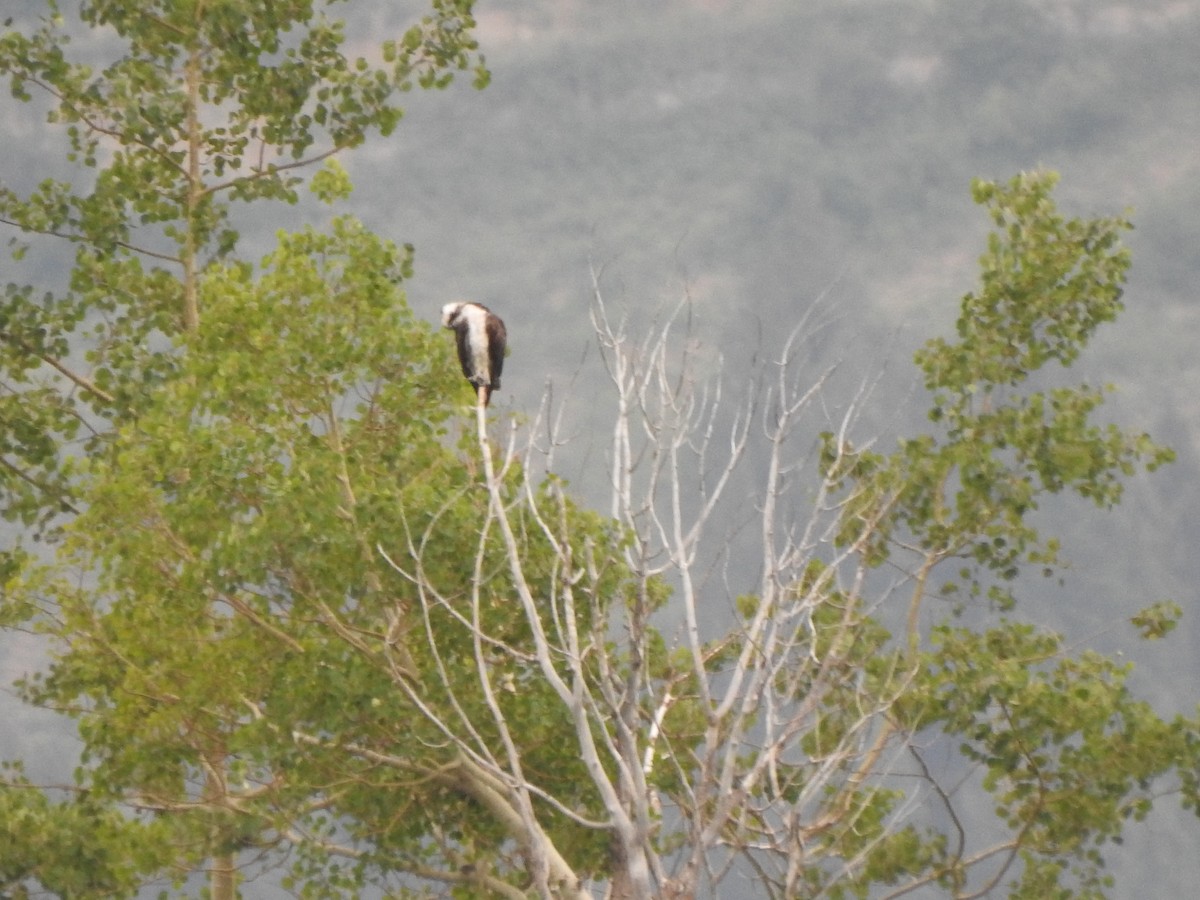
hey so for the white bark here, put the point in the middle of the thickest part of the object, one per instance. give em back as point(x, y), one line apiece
point(757, 689)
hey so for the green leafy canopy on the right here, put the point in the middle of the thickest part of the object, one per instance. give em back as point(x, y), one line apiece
point(1068, 754)
point(966, 491)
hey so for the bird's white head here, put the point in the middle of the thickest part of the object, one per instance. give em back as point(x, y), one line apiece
point(450, 312)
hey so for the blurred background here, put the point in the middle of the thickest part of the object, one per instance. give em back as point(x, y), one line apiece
point(757, 155)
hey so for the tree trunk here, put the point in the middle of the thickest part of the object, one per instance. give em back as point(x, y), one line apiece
point(222, 880)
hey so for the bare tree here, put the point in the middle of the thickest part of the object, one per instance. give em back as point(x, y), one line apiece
point(694, 746)
point(772, 728)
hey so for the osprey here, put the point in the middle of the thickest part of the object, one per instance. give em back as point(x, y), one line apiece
point(481, 339)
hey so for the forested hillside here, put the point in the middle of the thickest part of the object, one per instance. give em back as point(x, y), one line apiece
point(771, 159)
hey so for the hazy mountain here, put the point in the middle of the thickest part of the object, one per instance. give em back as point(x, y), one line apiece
point(760, 154)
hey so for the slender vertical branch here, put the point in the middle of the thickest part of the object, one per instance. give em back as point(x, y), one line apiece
point(194, 188)
point(545, 862)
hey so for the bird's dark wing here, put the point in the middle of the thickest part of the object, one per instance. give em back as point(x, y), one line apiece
point(464, 348)
point(497, 340)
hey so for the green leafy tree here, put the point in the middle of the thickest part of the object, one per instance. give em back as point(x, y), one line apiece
point(206, 104)
point(243, 659)
point(184, 428)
